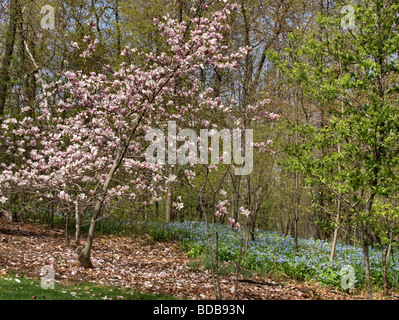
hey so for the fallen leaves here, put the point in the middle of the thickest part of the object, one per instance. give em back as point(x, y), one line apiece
point(139, 264)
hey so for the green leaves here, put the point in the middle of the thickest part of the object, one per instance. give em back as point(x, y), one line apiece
point(348, 143)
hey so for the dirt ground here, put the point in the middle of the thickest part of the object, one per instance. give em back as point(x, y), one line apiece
point(142, 265)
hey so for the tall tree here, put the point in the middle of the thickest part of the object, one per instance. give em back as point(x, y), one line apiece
point(14, 14)
point(367, 126)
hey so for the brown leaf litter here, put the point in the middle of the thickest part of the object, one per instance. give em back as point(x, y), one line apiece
point(142, 265)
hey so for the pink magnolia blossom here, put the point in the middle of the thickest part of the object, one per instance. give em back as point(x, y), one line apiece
point(93, 133)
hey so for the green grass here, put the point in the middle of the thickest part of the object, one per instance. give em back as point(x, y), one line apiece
point(19, 287)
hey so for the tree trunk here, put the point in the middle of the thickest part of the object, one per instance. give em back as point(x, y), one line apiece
point(384, 270)
point(84, 254)
point(169, 197)
point(367, 267)
point(296, 216)
point(118, 30)
point(251, 218)
point(27, 76)
point(78, 219)
point(67, 228)
point(168, 212)
point(178, 10)
point(178, 14)
point(334, 243)
point(317, 120)
point(8, 50)
point(366, 250)
point(338, 217)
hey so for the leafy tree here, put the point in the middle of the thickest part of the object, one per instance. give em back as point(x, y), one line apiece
point(358, 68)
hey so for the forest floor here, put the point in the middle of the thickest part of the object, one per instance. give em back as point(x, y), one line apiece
point(143, 265)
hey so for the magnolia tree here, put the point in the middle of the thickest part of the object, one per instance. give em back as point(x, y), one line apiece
point(80, 149)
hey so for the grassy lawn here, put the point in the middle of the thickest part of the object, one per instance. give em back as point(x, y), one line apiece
point(17, 287)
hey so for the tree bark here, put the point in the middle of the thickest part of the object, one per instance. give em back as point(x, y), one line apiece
point(67, 228)
point(317, 121)
point(169, 196)
point(334, 243)
point(118, 30)
point(78, 219)
point(84, 254)
point(296, 217)
point(384, 270)
point(8, 51)
point(339, 204)
point(178, 10)
point(168, 211)
point(366, 249)
point(367, 266)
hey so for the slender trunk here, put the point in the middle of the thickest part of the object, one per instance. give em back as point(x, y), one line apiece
point(367, 268)
point(248, 220)
point(145, 213)
point(178, 10)
point(84, 254)
point(366, 250)
point(318, 123)
point(178, 14)
point(8, 51)
point(27, 76)
point(233, 208)
point(238, 267)
point(384, 270)
point(118, 30)
point(288, 227)
point(236, 199)
point(52, 208)
point(296, 214)
point(390, 236)
point(169, 197)
point(318, 117)
point(246, 238)
point(334, 243)
point(168, 211)
point(78, 219)
point(217, 260)
point(67, 228)
point(337, 219)
point(215, 276)
point(253, 222)
point(296, 218)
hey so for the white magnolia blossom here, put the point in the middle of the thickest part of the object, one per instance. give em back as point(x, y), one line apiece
point(178, 205)
point(172, 178)
point(245, 212)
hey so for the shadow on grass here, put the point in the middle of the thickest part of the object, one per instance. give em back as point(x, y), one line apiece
point(17, 287)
